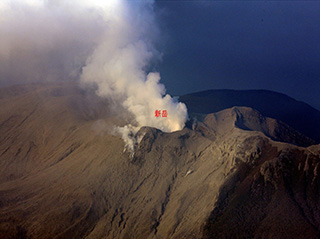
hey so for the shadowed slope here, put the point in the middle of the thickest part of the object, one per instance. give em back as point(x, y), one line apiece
point(65, 175)
point(296, 114)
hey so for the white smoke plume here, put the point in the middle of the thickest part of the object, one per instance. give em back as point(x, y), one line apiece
point(118, 67)
point(108, 44)
point(45, 40)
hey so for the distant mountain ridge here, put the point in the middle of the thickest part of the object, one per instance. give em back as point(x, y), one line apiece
point(232, 174)
point(296, 114)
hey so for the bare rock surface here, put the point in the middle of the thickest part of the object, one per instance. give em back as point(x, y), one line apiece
point(233, 174)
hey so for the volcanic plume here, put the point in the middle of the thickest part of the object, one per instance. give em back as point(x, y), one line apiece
point(108, 45)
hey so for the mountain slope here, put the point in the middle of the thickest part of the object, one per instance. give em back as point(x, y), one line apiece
point(65, 175)
point(296, 114)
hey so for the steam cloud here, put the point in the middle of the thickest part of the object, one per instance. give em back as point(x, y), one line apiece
point(105, 43)
point(43, 40)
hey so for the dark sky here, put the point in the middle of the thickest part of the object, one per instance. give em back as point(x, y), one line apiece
point(242, 45)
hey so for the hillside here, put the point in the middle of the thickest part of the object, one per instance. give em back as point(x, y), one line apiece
point(231, 174)
point(296, 114)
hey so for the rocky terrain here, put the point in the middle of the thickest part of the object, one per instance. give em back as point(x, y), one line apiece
point(296, 114)
point(230, 174)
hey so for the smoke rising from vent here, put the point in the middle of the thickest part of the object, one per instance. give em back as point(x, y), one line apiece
point(118, 66)
point(108, 44)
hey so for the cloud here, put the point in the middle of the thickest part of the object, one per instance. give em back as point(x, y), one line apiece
point(108, 44)
point(45, 41)
point(118, 66)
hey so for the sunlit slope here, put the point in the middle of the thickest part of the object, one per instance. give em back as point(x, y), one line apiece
point(296, 114)
point(65, 175)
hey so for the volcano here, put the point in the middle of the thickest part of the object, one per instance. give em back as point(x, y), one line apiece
point(234, 172)
point(296, 114)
